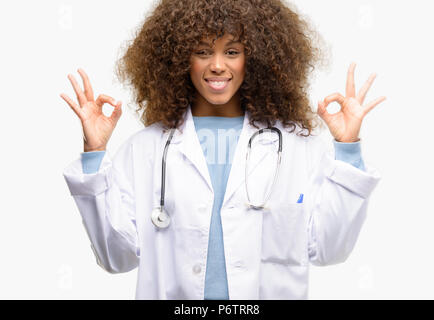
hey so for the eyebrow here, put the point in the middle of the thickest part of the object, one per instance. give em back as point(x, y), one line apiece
point(227, 44)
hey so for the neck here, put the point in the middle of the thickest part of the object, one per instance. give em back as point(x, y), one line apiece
point(202, 108)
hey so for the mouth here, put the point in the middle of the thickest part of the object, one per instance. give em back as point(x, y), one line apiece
point(217, 85)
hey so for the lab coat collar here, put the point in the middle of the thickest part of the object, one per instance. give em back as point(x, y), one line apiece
point(189, 145)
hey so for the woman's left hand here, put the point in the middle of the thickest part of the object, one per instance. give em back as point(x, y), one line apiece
point(345, 125)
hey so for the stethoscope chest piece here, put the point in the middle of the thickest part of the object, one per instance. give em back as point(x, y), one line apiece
point(160, 218)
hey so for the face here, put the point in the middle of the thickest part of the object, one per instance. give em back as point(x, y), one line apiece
point(217, 72)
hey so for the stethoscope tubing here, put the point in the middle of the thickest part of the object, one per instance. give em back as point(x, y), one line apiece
point(161, 219)
point(163, 169)
point(279, 157)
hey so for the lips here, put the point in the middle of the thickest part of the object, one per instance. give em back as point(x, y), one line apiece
point(217, 84)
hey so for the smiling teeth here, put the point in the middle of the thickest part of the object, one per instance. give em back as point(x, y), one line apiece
point(218, 84)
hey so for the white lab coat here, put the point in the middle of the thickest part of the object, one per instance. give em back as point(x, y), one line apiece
point(267, 251)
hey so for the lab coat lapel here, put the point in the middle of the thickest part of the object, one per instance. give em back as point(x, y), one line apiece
point(189, 145)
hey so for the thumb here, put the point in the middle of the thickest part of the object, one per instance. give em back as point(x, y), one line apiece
point(322, 111)
point(117, 111)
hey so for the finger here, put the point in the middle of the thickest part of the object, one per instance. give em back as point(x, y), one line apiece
point(87, 87)
point(102, 99)
point(80, 95)
point(72, 104)
point(117, 112)
point(351, 88)
point(373, 104)
point(335, 97)
point(364, 90)
point(322, 111)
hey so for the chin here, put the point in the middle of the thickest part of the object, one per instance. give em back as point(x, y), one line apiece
point(218, 102)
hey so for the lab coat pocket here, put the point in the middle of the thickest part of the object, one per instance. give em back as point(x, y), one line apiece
point(284, 234)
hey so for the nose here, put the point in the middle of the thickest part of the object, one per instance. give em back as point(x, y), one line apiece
point(217, 64)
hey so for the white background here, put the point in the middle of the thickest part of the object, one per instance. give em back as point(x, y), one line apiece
point(44, 249)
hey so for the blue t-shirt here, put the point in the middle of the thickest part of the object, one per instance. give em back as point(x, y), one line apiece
point(218, 138)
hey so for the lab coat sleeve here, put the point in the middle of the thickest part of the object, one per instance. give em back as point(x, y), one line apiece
point(106, 202)
point(339, 195)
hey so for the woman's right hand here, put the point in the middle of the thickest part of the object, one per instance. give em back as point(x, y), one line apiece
point(97, 128)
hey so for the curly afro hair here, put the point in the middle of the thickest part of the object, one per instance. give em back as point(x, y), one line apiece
point(280, 54)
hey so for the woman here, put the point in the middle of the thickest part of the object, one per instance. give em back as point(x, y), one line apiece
point(210, 71)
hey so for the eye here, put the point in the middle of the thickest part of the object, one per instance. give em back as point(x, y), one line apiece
point(204, 52)
point(201, 52)
point(233, 52)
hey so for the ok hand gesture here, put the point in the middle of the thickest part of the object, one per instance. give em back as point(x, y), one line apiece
point(345, 125)
point(97, 128)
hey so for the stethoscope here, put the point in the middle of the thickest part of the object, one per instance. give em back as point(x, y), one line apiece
point(161, 219)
